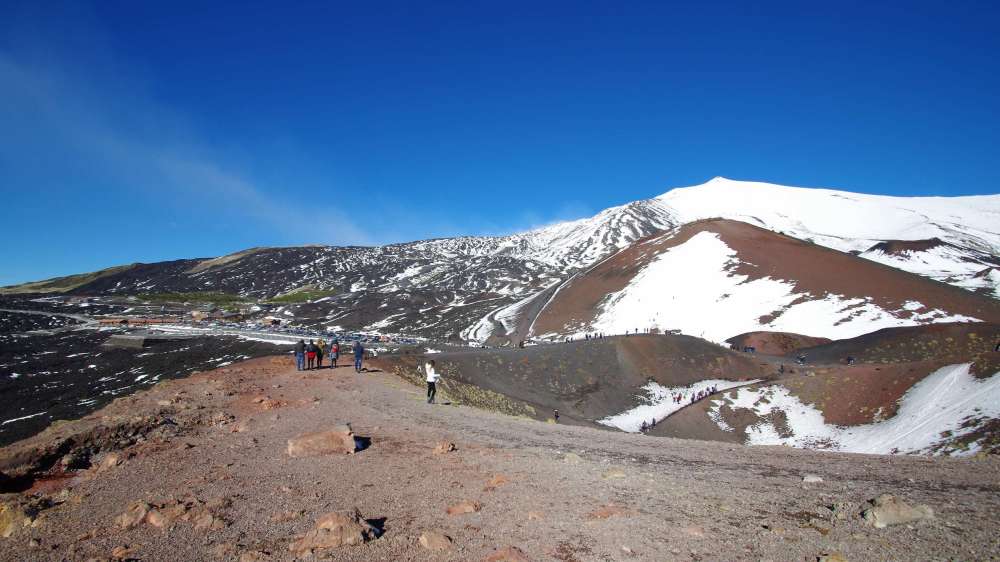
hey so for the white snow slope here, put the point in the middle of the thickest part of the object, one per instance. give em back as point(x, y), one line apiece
point(855, 222)
point(659, 403)
point(949, 400)
point(657, 297)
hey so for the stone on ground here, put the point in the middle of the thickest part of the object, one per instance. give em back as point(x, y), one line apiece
point(467, 506)
point(435, 540)
point(888, 510)
point(333, 530)
point(444, 447)
point(337, 440)
point(134, 515)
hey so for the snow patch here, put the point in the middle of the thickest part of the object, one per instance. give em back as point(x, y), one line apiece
point(942, 402)
point(660, 403)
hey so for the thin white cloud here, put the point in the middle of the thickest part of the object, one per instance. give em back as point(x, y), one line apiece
point(94, 113)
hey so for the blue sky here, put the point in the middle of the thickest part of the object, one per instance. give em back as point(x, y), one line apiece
point(146, 131)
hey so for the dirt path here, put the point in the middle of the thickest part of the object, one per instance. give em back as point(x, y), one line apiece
point(557, 492)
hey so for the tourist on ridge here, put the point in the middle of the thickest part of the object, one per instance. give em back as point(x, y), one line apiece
point(432, 378)
point(643, 427)
point(334, 353)
point(359, 356)
point(311, 355)
point(300, 355)
point(320, 345)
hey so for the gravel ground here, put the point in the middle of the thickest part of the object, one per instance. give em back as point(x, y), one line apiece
point(555, 492)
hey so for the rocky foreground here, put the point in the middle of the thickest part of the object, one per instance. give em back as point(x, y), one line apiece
point(256, 461)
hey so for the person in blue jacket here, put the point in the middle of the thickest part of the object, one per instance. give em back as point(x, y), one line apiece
point(359, 355)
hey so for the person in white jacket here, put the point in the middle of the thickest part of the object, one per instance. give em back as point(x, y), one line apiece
point(432, 378)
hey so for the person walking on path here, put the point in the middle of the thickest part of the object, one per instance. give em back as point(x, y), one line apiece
point(320, 345)
point(334, 353)
point(359, 356)
point(310, 355)
point(300, 355)
point(432, 378)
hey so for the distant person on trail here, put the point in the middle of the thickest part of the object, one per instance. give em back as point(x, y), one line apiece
point(320, 344)
point(359, 356)
point(432, 378)
point(555, 415)
point(310, 355)
point(643, 427)
point(334, 353)
point(300, 355)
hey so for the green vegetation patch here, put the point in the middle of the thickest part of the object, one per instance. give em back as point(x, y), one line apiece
point(203, 297)
point(301, 296)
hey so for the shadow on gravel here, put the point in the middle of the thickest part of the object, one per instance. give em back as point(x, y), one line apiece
point(379, 524)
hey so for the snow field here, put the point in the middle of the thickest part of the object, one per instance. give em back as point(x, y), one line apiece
point(940, 403)
point(661, 404)
point(690, 288)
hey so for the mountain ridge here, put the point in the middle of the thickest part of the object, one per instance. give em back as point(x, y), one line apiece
point(443, 286)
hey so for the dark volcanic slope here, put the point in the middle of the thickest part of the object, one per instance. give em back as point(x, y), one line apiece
point(585, 380)
point(67, 375)
point(13, 322)
point(954, 343)
point(775, 343)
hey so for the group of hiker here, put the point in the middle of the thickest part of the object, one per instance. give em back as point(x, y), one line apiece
point(647, 426)
point(678, 397)
point(309, 356)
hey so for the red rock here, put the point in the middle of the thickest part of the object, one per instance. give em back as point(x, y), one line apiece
point(467, 506)
point(336, 529)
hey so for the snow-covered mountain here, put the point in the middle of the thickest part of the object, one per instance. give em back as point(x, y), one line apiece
point(960, 236)
point(718, 278)
point(474, 287)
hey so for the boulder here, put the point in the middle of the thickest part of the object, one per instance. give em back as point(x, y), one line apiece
point(110, 461)
point(812, 479)
point(15, 515)
point(337, 440)
point(333, 530)
point(467, 506)
point(444, 447)
point(435, 540)
point(888, 510)
point(508, 554)
point(134, 515)
point(207, 521)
